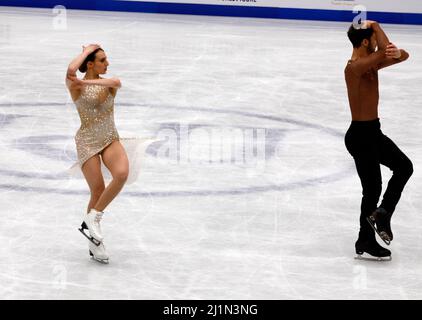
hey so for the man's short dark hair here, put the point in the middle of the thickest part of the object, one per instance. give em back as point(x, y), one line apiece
point(356, 36)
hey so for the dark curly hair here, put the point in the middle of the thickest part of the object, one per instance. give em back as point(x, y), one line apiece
point(91, 57)
point(356, 36)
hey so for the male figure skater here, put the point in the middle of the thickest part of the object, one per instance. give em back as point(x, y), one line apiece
point(364, 140)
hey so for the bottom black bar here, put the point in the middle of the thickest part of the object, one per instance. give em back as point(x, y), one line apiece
point(213, 309)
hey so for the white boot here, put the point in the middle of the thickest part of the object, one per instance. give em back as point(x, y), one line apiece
point(98, 253)
point(92, 223)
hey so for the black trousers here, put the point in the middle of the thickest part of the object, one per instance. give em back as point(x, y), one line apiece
point(370, 148)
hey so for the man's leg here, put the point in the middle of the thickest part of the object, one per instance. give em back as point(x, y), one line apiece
point(392, 157)
point(369, 172)
point(362, 145)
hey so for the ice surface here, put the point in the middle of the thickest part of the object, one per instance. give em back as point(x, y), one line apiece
point(250, 195)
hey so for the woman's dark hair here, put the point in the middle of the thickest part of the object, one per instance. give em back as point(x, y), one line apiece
point(90, 57)
point(356, 36)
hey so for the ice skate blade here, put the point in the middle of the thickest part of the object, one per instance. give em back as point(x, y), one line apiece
point(371, 258)
point(383, 235)
point(92, 239)
point(102, 261)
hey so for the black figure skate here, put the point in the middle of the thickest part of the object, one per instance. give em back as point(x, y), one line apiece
point(380, 222)
point(372, 248)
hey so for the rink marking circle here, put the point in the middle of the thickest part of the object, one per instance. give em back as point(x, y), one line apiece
point(233, 191)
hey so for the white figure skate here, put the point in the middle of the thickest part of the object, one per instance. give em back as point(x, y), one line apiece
point(98, 253)
point(91, 223)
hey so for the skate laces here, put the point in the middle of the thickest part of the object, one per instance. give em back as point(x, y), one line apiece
point(98, 216)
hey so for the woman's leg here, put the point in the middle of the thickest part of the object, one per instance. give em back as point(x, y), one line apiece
point(115, 159)
point(92, 172)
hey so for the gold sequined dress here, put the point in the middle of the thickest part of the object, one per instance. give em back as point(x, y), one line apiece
point(95, 106)
point(96, 110)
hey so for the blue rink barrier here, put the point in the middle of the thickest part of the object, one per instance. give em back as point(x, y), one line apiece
point(218, 10)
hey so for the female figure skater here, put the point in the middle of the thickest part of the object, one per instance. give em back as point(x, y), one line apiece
point(97, 139)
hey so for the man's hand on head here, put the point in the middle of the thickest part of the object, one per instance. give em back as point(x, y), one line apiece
point(392, 51)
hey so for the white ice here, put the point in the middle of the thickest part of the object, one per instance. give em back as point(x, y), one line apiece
point(198, 227)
